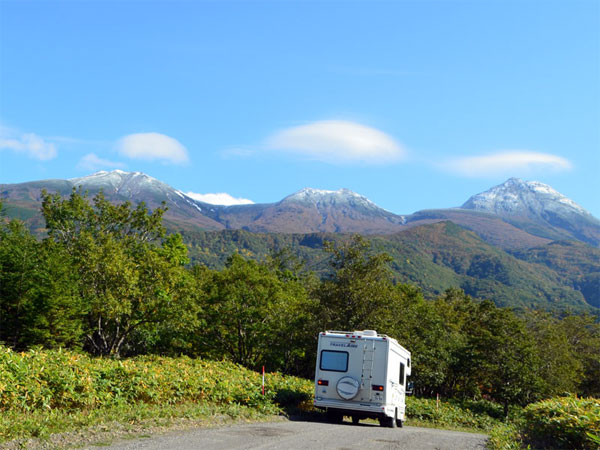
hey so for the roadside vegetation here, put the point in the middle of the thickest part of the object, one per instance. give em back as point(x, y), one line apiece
point(556, 423)
point(106, 316)
point(49, 391)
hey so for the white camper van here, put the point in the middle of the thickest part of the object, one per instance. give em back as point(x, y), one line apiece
point(362, 374)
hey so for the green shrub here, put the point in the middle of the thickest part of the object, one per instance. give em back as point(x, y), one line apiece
point(566, 422)
point(55, 379)
point(504, 436)
point(451, 413)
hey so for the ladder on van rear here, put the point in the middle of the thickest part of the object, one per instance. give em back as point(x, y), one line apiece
point(367, 368)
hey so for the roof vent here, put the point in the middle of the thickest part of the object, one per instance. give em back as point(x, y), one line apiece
point(369, 333)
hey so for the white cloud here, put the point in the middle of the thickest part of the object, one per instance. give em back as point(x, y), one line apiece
point(510, 162)
point(220, 198)
point(337, 141)
point(92, 162)
point(152, 147)
point(30, 144)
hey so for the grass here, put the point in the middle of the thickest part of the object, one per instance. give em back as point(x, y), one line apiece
point(99, 426)
point(17, 425)
point(480, 416)
point(52, 391)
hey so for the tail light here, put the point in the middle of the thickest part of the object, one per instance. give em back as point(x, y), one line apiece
point(377, 387)
point(323, 382)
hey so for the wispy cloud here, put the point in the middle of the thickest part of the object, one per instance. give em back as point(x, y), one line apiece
point(153, 147)
point(337, 141)
point(220, 198)
point(30, 144)
point(510, 162)
point(92, 162)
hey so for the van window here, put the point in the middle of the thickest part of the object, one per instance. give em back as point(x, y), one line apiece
point(335, 361)
point(401, 381)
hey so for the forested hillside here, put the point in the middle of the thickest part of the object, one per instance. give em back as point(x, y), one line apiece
point(437, 257)
point(109, 281)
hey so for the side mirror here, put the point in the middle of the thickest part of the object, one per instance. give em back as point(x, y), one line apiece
point(409, 388)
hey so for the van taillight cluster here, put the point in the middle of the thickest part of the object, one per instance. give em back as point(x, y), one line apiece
point(323, 382)
point(377, 387)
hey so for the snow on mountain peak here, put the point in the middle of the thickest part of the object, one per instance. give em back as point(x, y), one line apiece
point(119, 181)
point(113, 175)
point(319, 196)
point(516, 196)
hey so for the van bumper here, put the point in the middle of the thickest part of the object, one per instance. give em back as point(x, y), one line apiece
point(371, 410)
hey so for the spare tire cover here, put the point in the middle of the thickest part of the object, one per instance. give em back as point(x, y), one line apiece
point(347, 388)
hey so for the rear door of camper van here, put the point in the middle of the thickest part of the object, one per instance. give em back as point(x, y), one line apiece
point(362, 359)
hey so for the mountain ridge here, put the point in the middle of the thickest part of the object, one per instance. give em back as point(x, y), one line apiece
point(513, 215)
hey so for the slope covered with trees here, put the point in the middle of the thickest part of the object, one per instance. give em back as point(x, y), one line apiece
point(107, 280)
point(437, 257)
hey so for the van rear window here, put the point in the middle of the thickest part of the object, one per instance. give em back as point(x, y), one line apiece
point(333, 360)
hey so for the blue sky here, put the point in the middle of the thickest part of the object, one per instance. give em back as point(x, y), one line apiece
point(414, 104)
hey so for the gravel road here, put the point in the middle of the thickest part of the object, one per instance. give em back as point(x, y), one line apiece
point(309, 435)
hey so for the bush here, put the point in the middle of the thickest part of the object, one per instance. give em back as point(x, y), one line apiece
point(566, 422)
point(452, 414)
point(504, 436)
point(56, 379)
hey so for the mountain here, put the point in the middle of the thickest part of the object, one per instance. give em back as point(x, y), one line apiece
point(313, 210)
point(576, 264)
point(538, 209)
point(490, 227)
point(518, 215)
point(514, 216)
point(443, 254)
point(306, 211)
point(23, 200)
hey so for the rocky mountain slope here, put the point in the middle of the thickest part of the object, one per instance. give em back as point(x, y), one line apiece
point(312, 210)
point(308, 210)
point(514, 215)
point(537, 208)
point(23, 200)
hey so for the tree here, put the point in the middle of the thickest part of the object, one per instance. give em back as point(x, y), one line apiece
point(432, 340)
point(503, 356)
point(19, 269)
point(128, 274)
point(560, 369)
point(456, 310)
point(486, 351)
point(295, 345)
point(38, 302)
point(583, 334)
point(357, 293)
point(251, 314)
